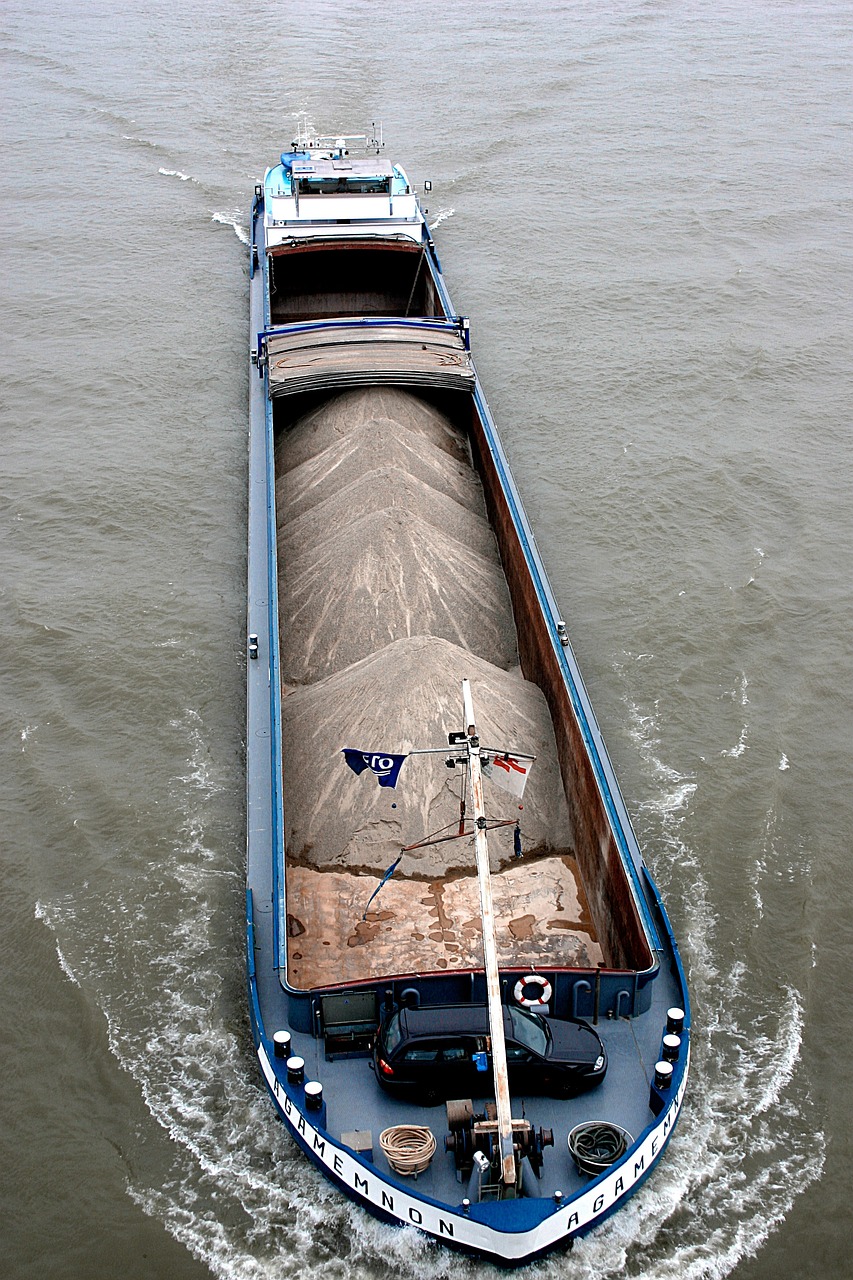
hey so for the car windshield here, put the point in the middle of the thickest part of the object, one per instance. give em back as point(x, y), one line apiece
point(529, 1030)
point(393, 1034)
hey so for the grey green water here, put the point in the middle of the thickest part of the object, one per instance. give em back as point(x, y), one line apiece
point(645, 209)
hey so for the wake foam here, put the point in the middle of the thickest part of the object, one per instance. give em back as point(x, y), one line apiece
point(443, 216)
point(744, 1148)
point(740, 696)
point(231, 220)
point(162, 953)
point(176, 173)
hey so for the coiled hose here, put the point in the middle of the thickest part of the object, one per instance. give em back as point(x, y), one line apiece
point(408, 1148)
point(596, 1145)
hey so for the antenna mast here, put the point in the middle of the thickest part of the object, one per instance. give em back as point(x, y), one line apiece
point(490, 954)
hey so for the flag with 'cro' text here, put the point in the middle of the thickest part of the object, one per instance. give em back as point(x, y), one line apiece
point(384, 766)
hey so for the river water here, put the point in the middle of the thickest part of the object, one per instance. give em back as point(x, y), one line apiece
point(644, 207)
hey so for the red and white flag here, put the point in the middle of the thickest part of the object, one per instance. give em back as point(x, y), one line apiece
point(508, 771)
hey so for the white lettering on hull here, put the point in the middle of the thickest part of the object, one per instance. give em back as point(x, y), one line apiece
point(576, 1214)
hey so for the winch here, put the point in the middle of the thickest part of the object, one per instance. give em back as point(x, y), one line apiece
point(473, 1140)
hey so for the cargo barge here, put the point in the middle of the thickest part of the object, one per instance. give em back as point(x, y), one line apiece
point(466, 998)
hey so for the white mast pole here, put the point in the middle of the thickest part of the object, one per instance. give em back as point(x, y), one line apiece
point(490, 955)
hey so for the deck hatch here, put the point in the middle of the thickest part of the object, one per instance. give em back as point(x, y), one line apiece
point(343, 354)
point(349, 1023)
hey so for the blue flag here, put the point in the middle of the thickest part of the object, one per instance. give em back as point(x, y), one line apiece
point(386, 768)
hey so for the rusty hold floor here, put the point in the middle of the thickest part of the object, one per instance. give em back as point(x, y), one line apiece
point(418, 926)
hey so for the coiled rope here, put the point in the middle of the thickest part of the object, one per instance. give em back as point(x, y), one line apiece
point(596, 1145)
point(408, 1148)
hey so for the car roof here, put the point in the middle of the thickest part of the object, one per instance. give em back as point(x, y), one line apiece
point(446, 1019)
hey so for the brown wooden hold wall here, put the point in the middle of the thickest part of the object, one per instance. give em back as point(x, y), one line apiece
point(611, 901)
point(377, 278)
point(314, 281)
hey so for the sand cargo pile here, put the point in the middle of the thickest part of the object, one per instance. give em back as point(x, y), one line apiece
point(390, 580)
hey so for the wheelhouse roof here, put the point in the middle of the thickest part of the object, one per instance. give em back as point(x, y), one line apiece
point(315, 167)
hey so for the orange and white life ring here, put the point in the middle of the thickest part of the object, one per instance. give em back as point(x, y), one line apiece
point(532, 1001)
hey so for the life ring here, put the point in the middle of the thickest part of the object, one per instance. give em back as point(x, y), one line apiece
point(536, 1001)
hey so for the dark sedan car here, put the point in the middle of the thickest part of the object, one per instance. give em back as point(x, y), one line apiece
point(444, 1051)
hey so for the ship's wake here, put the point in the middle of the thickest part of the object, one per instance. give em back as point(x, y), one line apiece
point(162, 956)
point(232, 221)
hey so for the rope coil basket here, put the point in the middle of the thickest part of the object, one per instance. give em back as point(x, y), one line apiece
point(408, 1148)
point(597, 1144)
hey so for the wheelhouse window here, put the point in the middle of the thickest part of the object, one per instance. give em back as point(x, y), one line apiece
point(380, 186)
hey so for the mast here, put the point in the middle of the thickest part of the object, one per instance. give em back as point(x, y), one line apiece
point(490, 955)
